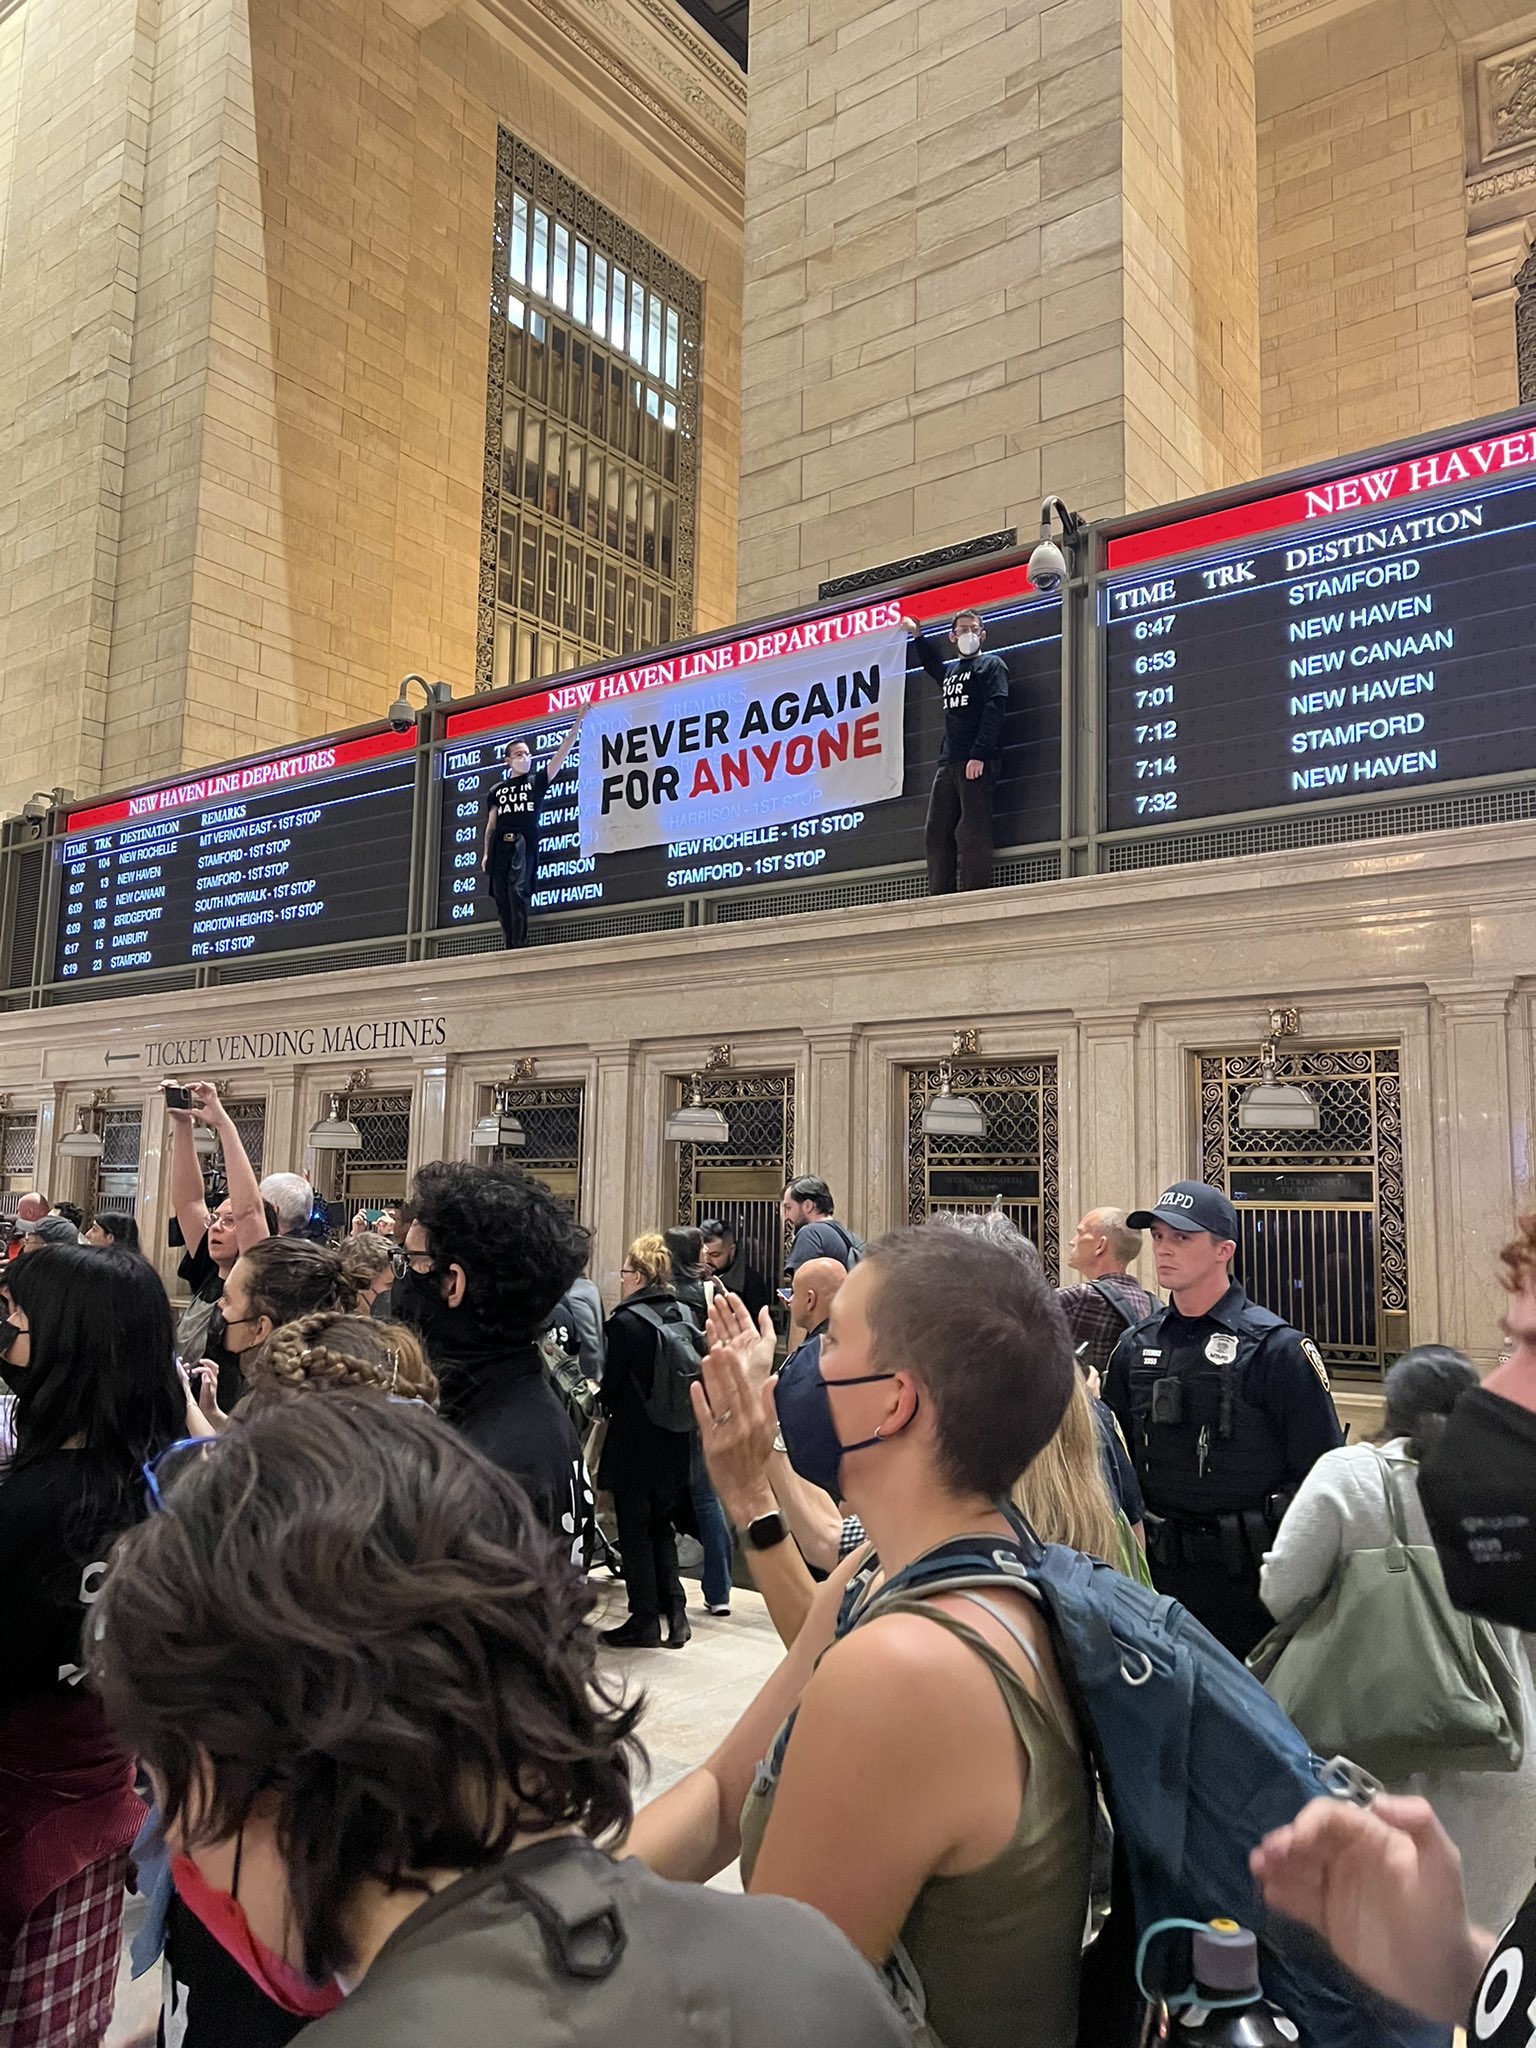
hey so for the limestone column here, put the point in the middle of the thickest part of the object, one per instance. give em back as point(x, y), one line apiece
point(1109, 1172)
point(1473, 1109)
point(608, 1134)
point(430, 1136)
point(989, 252)
point(825, 1129)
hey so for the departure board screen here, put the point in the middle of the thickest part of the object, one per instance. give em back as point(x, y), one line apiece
point(1021, 627)
point(1383, 639)
point(312, 848)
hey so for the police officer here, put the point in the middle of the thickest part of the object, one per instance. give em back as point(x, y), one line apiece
point(509, 857)
point(958, 833)
point(1225, 1407)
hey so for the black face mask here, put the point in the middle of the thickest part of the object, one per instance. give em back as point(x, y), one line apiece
point(1477, 1485)
point(418, 1301)
point(12, 1375)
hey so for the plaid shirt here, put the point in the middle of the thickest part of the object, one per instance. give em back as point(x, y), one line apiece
point(1096, 1322)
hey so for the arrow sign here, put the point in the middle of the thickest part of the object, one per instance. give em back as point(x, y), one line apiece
point(133, 1058)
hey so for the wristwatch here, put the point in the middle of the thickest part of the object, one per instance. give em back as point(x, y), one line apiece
point(766, 1532)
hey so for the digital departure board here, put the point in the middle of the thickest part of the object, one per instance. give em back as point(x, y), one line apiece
point(311, 848)
point(1373, 633)
point(1021, 627)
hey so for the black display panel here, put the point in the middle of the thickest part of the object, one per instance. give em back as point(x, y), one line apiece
point(1387, 651)
point(241, 862)
point(1024, 630)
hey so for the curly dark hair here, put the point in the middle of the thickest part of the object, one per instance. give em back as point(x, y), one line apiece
point(979, 1326)
point(520, 1250)
point(349, 1617)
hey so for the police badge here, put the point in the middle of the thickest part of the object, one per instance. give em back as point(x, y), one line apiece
point(1221, 1348)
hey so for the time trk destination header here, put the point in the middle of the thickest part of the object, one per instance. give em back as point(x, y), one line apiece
point(1337, 661)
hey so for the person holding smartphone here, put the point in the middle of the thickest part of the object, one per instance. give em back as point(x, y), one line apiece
point(213, 1239)
point(509, 857)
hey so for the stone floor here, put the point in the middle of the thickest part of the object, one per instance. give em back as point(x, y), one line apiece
point(692, 1696)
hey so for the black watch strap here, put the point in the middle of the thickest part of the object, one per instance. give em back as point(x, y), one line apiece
point(766, 1532)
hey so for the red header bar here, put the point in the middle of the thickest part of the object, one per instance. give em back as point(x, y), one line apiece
point(723, 657)
point(1470, 463)
point(218, 785)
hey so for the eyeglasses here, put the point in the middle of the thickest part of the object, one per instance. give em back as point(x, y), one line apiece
point(400, 1259)
point(159, 1469)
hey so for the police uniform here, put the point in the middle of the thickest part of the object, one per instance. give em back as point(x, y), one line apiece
point(1225, 1414)
point(514, 805)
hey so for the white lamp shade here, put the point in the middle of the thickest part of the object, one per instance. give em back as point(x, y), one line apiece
point(1277, 1106)
point(696, 1123)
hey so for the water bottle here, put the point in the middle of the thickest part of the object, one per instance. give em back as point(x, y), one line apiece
point(1228, 2008)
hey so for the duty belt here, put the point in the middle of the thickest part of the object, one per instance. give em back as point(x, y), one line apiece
point(1235, 1542)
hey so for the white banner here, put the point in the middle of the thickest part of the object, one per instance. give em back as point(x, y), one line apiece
point(796, 735)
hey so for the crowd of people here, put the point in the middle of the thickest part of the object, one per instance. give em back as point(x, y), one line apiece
point(319, 1676)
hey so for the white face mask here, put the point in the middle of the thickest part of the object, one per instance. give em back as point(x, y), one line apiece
point(968, 642)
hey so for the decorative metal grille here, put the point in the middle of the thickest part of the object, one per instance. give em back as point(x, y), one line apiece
point(18, 1160)
point(1322, 1215)
point(743, 1179)
point(250, 1121)
point(589, 510)
point(1015, 1167)
point(551, 1120)
point(112, 1181)
point(374, 1171)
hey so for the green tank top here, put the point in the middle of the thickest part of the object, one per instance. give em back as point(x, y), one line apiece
point(998, 1950)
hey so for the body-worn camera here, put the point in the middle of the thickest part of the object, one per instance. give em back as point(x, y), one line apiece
point(1168, 1400)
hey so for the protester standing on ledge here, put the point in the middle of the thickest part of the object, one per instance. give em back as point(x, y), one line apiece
point(509, 856)
point(959, 828)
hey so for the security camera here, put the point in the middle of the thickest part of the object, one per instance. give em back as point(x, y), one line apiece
point(400, 714)
point(1048, 565)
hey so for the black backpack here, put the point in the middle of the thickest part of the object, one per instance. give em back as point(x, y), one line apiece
point(679, 1347)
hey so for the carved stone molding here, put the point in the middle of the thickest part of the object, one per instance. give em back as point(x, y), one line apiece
point(1525, 327)
point(1506, 102)
point(1521, 178)
point(610, 39)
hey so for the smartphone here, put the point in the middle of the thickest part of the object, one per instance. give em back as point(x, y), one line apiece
point(177, 1097)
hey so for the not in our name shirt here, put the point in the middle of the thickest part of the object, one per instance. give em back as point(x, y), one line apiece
point(1501, 2015)
point(515, 804)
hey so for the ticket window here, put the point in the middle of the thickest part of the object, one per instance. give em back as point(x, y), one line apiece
point(372, 1174)
point(741, 1181)
point(109, 1185)
point(1013, 1166)
point(18, 1159)
point(1322, 1236)
point(549, 1118)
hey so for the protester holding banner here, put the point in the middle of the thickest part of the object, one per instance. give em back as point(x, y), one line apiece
point(958, 834)
point(510, 855)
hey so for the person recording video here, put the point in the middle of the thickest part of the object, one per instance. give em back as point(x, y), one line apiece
point(958, 834)
point(509, 856)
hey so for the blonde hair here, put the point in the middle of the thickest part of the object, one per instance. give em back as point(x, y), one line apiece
point(321, 1352)
point(651, 1259)
point(1063, 1492)
point(363, 1259)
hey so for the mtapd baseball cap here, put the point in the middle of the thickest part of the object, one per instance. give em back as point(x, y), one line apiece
point(51, 1229)
point(1190, 1205)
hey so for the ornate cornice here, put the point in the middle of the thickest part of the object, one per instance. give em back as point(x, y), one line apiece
point(701, 51)
point(1520, 178)
point(608, 37)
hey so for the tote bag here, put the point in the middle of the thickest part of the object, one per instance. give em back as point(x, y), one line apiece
point(1384, 1671)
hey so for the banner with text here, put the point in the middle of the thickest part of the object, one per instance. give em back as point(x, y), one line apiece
point(805, 732)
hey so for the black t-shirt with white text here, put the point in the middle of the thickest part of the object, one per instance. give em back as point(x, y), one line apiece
point(515, 804)
point(1501, 2015)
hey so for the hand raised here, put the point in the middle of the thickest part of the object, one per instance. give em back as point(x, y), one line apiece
point(1382, 1886)
point(753, 1343)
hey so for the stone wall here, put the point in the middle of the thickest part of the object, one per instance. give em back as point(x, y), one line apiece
point(1365, 297)
point(245, 297)
point(988, 253)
